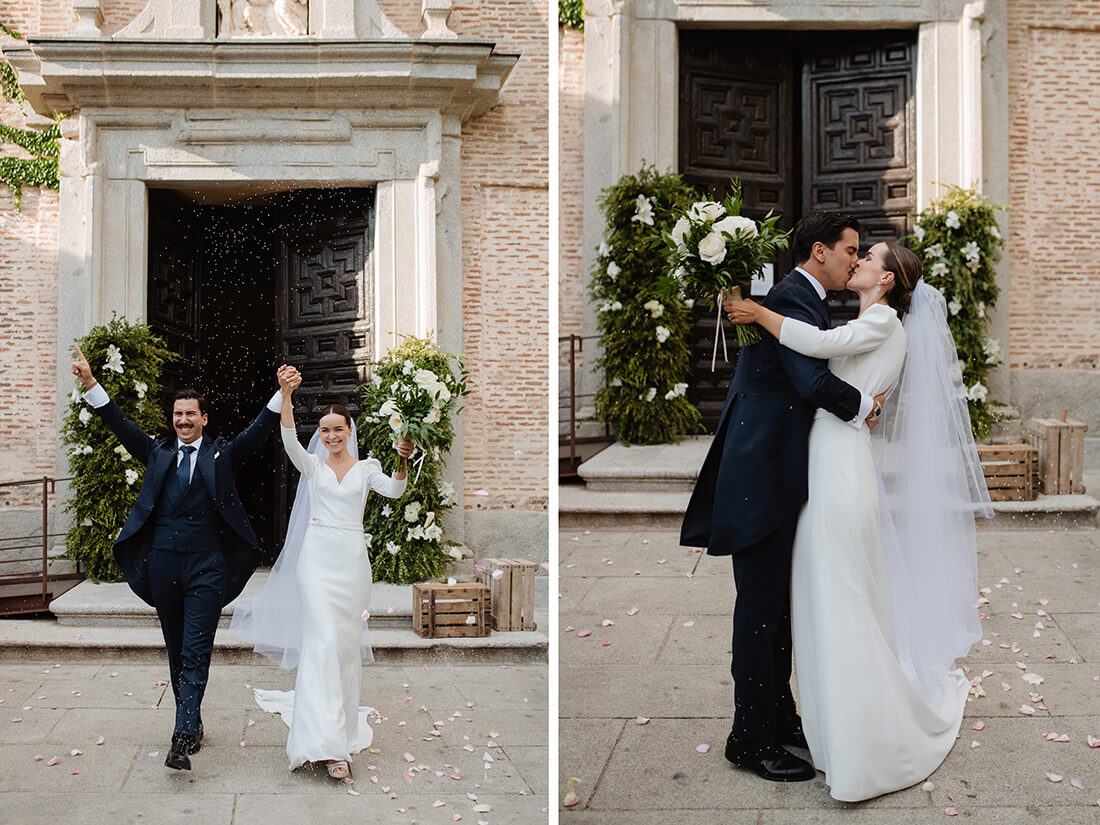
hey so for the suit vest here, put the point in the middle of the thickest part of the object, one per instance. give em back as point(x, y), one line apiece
point(187, 522)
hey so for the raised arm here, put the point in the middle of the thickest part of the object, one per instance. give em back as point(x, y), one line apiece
point(136, 441)
point(865, 333)
point(289, 379)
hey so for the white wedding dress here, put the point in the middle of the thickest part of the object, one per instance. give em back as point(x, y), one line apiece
point(334, 580)
point(870, 727)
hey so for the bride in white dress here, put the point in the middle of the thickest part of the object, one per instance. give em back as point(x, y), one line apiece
point(884, 577)
point(312, 612)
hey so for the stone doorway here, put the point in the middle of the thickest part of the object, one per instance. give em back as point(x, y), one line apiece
point(808, 121)
point(239, 284)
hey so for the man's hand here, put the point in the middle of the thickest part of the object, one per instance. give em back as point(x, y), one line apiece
point(404, 447)
point(876, 412)
point(82, 370)
point(289, 379)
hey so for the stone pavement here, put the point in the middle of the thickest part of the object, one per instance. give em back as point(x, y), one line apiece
point(448, 718)
point(670, 662)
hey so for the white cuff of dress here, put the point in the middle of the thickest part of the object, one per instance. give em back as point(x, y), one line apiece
point(866, 404)
point(97, 396)
point(276, 402)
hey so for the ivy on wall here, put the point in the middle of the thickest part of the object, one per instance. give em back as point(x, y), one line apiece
point(43, 146)
point(571, 14)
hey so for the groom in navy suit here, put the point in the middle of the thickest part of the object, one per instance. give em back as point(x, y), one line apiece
point(753, 484)
point(187, 547)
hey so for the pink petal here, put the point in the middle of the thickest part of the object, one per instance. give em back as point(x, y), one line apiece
point(632, 610)
point(1005, 686)
point(53, 761)
point(99, 741)
point(74, 772)
point(1093, 742)
point(1017, 615)
point(438, 804)
point(607, 623)
point(689, 624)
point(75, 752)
point(353, 792)
point(978, 726)
point(456, 817)
point(1044, 602)
point(17, 719)
point(154, 754)
point(1027, 710)
point(584, 633)
point(38, 757)
point(409, 757)
point(408, 777)
point(365, 615)
point(637, 573)
point(1078, 784)
point(1053, 777)
point(951, 812)
point(703, 748)
point(468, 747)
point(487, 757)
point(385, 789)
point(570, 629)
point(986, 642)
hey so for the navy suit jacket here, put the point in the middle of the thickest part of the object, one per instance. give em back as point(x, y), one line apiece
point(755, 474)
point(217, 465)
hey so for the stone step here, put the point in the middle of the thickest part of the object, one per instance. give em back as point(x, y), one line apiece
point(645, 468)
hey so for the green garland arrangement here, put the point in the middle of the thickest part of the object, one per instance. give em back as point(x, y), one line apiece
point(44, 146)
point(646, 359)
point(959, 243)
point(415, 391)
point(127, 360)
point(571, 14)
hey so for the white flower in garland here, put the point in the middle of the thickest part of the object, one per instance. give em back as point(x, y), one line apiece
point(367, 537)
point(84, 415)
point(974, 266)
point(434, 533)
point(140, 387)
point(376, 379)
point(76, 395)
point(114, 359)
point(918, 233)
point(954, 306)
point(387, 511)
point(977, 392)
point(994, 231)
point(131, 477)
point(87, 449)
point(939, 269)
point(446, 493)
point(952, 220)
point(648, 395)
point(662, 334)
point(392, 548)
point(604, 250)
point(121, 450)
point(971, 251)
point(615, 382)
point(613, 270)
point(412, 511)
point(689, 302)
point(643, 211)
point(676, 391)
point(992, 350)
point(455, 553)
point(655, 307)
point(934, 251)
point(981, 309)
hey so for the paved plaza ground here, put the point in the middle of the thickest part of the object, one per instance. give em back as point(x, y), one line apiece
point(668, 660)
point(449, 719)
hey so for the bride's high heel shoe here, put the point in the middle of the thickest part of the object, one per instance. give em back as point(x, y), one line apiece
point(338, 769)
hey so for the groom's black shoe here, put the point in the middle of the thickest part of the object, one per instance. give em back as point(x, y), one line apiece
point(793, 737)
point(769, 762)
point(183, 744)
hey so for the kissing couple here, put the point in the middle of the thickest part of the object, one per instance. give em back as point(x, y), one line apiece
point(853, 553)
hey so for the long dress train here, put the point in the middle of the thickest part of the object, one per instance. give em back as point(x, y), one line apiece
point(869, 726)
point(334, 580)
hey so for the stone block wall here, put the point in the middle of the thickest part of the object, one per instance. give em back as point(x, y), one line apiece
point(1054, 217)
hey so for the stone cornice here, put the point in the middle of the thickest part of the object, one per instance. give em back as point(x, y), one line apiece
point(459, 78)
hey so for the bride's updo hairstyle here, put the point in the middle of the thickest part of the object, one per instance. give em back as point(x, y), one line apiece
point(336, 409)
point(907, 270)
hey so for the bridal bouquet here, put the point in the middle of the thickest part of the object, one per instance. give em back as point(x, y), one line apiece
point(713, 249)
point(416, 390)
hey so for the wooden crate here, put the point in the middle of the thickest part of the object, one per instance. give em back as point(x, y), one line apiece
point(442, 610)
point(1061, 446)
point(1009, 471)
point(513, 592)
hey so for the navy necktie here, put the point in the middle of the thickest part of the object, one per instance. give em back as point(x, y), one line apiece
point(183, 469)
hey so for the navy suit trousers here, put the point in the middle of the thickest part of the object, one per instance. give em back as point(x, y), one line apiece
point(188, 591)
point(761, 667)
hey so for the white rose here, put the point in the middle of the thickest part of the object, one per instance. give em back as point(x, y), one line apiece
point(680, 231)
point(432, 417)
point(84, 415)
point(613, 270)
point(952, 221)
point(712, 248)
point(662, 334)
point(737, 223)
point(412, 511)
point(395, 423)
point(643, 211)
point(707, 211)
point(389, 407)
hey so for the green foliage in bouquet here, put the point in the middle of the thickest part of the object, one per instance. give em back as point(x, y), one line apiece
point(127, 359)
point(712, 248)
point(958, 242)
point(414, 391)
point(646, 359)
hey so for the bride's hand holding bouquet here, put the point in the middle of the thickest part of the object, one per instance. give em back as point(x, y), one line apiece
point(714, 250)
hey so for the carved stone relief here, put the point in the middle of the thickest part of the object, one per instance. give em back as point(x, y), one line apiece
point(250, 18)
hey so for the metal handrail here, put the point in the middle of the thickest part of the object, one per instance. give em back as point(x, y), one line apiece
point(576, 345)
point(49, 486)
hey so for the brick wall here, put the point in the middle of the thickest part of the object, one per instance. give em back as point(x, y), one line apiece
point(571, 278)
point(1054, 184)
point(505, 213)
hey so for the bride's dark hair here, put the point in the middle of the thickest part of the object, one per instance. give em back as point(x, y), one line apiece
point(907, 270)
point(336, 409)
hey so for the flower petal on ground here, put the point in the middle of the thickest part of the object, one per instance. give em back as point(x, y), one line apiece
point(703, 749)
point(1054, 777)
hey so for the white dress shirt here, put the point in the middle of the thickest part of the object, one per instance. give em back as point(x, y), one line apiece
point(97, 397)
point(866, 402)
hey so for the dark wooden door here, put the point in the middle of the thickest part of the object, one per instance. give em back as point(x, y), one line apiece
point(807, 121)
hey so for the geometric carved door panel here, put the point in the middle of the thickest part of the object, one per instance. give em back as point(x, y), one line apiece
point(807, 121)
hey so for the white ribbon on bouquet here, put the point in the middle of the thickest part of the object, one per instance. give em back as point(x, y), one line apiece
point(719, 330)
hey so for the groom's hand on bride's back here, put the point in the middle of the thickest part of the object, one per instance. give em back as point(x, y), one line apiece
point(875, 415)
